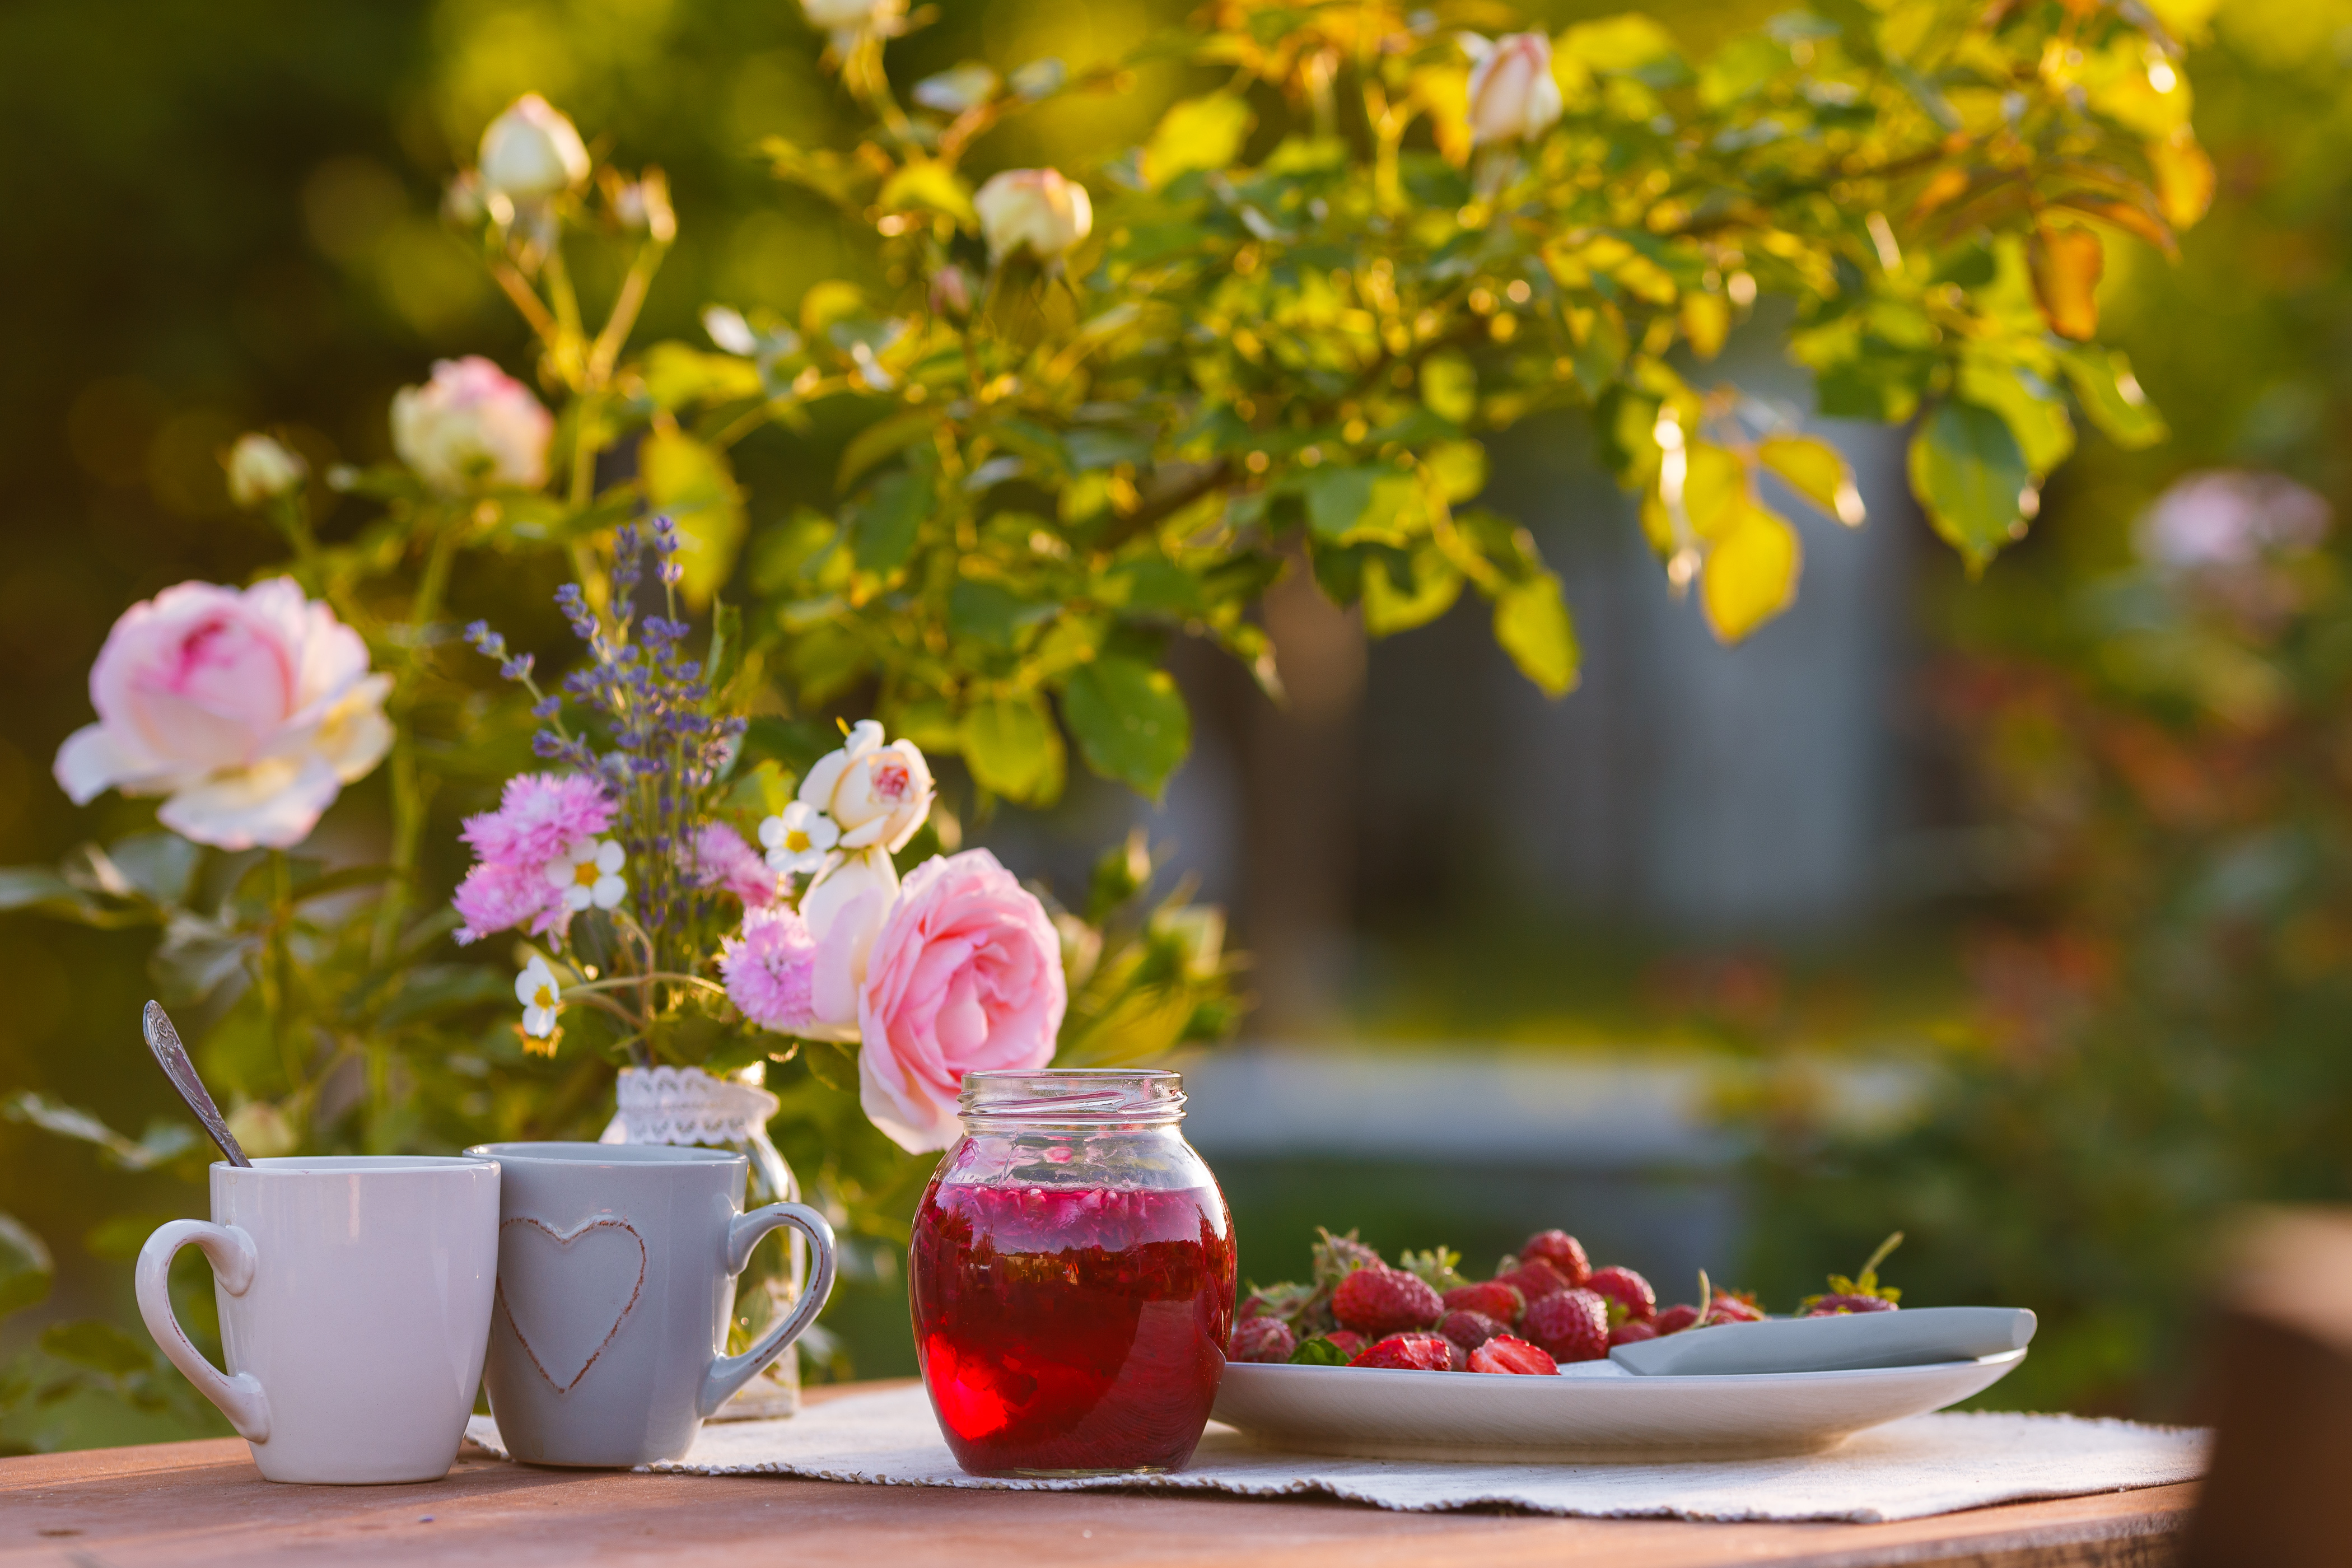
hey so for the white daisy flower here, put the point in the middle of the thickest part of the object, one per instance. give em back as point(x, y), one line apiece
point(799, 839)
point(540, 993)
point(589, 873)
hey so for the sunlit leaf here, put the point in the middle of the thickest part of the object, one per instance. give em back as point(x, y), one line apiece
point(1970, 475)
point(1013, 747)
point(2066, 263)
point(1410, 595)
point(1817, 471)
point(1532, 624)
point(926, 184)
point(2110, 394)
point(2035, 412)
point(957, 89)
point(1130, 721)
point(1630, 45)
point(1197, 133)
point(677, 375)
point(2184, 178)
point(1750, 574)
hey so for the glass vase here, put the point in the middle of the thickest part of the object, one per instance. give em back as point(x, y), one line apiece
point(689, 1106)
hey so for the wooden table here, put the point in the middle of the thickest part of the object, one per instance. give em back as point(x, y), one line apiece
point(189, 1505)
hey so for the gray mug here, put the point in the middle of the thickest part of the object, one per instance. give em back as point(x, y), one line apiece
point(617, 1280)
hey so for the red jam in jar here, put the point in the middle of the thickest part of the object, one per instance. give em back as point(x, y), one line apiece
point(1072, 1277)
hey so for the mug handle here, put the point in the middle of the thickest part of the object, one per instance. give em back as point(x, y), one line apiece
point(729, 1373)
point(230, 1252)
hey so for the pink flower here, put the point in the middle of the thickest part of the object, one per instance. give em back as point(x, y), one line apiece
point(965, 973)
point(539, 816)
point(720, 858)
point(768, 969)
point(1512, 91)
point(249, 707)
point(471, 425)
point(500, 894)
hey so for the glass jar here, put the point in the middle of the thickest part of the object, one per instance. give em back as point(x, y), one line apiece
point(1072, 1277)
point(686, 1105)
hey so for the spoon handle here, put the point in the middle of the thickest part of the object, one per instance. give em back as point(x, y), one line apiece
point(172, 1058)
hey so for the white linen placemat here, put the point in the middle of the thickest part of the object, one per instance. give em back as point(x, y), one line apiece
point(1905, 1470)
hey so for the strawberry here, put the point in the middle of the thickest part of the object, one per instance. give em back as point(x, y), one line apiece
point(1349, 1345)
point(1377, 1299)
point(1674, 1319)
point(1504, 1354)
point(1631, 1332)
point(1732, 1307)
point(1562, 1251)
point(1469, 1329)
point(1534, 1281)
point(1863, 1293)
point(1573, 1325)
point(1628, 1289)
point(1409, 1353)
point(1456, 1358)
point(1262, 1339)
point(1493, 1300)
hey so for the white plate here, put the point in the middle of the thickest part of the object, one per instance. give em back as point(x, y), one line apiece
point(1596, 1411)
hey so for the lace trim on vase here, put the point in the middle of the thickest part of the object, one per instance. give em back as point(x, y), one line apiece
point(686, 1105)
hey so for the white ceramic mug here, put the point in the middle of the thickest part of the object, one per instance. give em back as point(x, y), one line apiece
point(354, 1299)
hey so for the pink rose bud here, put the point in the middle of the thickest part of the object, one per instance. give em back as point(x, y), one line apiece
point(1512, 93)
point(472, 424)
point(249, 709)
point(965, 974)
point(1035, 208)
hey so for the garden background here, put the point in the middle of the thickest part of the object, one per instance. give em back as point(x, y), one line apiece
point(2015, 915)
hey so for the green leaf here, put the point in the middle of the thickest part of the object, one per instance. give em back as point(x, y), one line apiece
point(1628, 44)
point(1347, 504)
point(2036, 414)
point(891, 518)
point(1197, 134)
point(693, 484)
point(1817, 471)
point(1130, 721)
point(1969, 474)
point(26, 1267)
point(1013, 747)
point(2111, 398)
point(1459, 467)
point(1531, 623)
point(101, 1347)
point(1316, 1350)
point(1412, 592)
point(992, 614)
point(1750, 574)
point(882, 439)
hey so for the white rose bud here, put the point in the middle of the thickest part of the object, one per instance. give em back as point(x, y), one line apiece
point(472, 423)
point(876, 795)
point(851, 15)
point(1034, 207)
point(261, 469)
point(532, 151)
point(1512, 93)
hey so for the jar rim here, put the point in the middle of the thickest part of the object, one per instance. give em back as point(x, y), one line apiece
point(1072, 1097)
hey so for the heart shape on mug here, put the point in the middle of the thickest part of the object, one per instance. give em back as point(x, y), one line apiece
point(565, 1293)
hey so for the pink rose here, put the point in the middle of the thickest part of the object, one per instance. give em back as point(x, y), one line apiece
point(965, 974)
point(1512, 91)
point(472, 424)
point(249, 707)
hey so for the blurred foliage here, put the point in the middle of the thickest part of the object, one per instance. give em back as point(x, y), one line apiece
point(2155, 738)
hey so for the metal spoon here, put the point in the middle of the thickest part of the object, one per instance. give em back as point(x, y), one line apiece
point(172, 1058)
